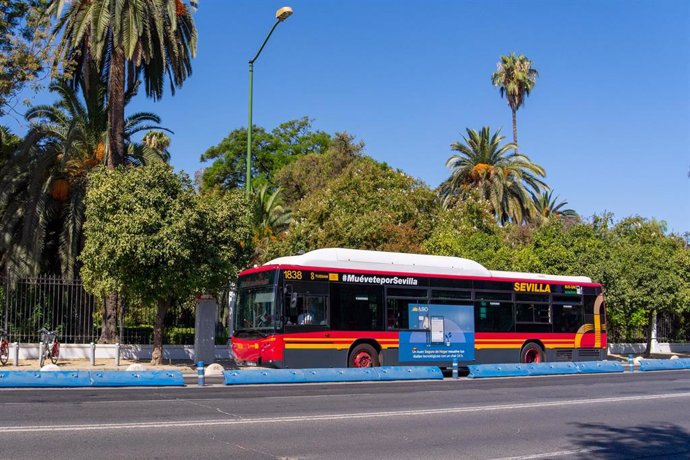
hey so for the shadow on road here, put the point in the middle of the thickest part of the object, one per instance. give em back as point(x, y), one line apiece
point(663, 440)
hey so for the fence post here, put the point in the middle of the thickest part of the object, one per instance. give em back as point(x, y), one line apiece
point(117, 354)
point(16, 354)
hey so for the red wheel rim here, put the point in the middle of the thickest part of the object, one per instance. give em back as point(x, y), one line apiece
point(363, 359)
point(532, 356)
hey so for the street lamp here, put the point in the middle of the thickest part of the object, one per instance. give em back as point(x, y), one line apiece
point(281, 15)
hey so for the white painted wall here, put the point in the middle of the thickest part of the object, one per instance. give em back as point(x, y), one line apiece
point(133, 352)
point(661, 347)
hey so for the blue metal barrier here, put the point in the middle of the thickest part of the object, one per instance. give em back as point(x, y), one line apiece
point(62, 379)
point(664, 364)
point(38, 379)
point(332, 375)
point(599, 367)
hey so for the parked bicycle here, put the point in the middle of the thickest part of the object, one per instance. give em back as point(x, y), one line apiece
point(4, 347)
point(51, 346)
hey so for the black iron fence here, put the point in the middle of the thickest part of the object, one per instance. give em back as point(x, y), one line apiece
point(29, 304)
point(51, 302)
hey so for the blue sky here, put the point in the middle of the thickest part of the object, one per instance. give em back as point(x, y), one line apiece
point(609, 118)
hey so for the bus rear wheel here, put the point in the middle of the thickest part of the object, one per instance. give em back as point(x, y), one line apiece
point(363, 355)
point(531, 353)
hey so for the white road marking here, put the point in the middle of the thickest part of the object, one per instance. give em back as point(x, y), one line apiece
point(155, 424)
point(560, 453)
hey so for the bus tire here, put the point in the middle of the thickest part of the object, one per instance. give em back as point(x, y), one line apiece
point(363, 355)
point(532, 353)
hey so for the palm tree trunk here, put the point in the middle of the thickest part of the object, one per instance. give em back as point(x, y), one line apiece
point(116, 108)
point(157, 354)
point(116, 157)
point(515, 127)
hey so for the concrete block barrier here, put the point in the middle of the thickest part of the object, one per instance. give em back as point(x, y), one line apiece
point(664, 364)
point(410, 373)
point(555, 368)
point(63, 379)
point(263, 376)
point(38, 379)
point(599, 367)
point(136, 378)
point(479, 371)
point(332, 375)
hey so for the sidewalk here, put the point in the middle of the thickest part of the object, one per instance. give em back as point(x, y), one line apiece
point(186, 367)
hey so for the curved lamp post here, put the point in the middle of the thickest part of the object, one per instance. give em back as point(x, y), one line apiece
point(281, 15)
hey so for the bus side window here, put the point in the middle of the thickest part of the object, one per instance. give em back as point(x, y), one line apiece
point(398, 311)
point(493, 316)
point(356, 307)
point(567, 318)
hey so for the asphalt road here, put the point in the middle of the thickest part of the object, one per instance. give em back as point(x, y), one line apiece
point(581, 416)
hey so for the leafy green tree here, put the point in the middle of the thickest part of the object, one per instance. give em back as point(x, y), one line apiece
point(653, 273)
point(548, 206)
point(368, 205)
point(310, 173)
point(23, 47)
point(469, 230)
point(506, 180)
point(515, 77)
point(42, 185)
point(271, 151)
point(125, 40)
point(151, 238)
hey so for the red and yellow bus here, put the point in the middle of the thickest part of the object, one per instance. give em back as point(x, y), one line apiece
point(352, 308)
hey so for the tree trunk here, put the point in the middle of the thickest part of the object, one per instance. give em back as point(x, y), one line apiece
point(116, 109)
point(110, 309)
point(157, 354)
point(651, 333)
point(514, 127)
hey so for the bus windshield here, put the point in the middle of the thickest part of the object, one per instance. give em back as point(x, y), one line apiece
point(256, 309)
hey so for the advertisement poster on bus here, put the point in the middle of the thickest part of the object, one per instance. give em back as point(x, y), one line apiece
point(438, 333)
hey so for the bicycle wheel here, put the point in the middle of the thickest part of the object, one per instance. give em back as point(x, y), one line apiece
point(42, 358)
point(55, 352)
point(4, 352)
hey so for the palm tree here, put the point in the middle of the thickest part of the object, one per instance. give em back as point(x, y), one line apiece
point(506, 180)
point(125, 40)
point(43, 184)
point(515, 76)
point(548, 206)
point(269, 218)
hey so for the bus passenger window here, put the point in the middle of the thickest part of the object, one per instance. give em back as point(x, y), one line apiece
point(567, 318)
point(491, 316)
point(397, 312)
point(356, 307)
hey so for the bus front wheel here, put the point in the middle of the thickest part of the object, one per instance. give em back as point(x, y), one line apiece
point(532, 353)
point(363, 355)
